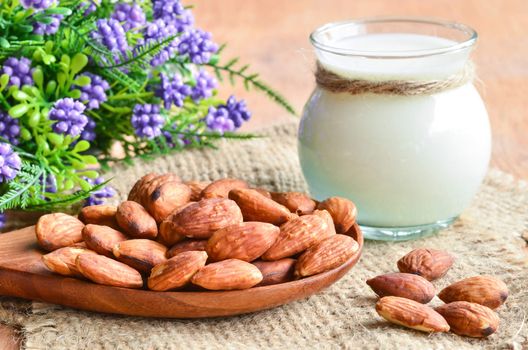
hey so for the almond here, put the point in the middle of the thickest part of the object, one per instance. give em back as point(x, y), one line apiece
point(58, 230)
point(343, 212)
point(275, 272)
point(326, 255)
point(196, 189)
point(134, 194)
point(469, 319)
point(428, 263)
point(177, 271)
point(227, 275)
point(403, 285)
point(328, 218)
point(296, 236)
point(411, 314)
point(485, 290)
point(263, 192)
point(136, 221)
point(103, 270)
point(220, 188)
point(188, 245)
point(257, 207)
point(202, 219)
point(166, 198)
point(62, 260)
point(102, 239)
point(297, 202)
point(99, 215)
point(245, 241)
point(145, 191)
point(141, 254)
point(167, 229)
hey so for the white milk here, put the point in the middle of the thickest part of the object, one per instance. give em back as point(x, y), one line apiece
point(404, 161)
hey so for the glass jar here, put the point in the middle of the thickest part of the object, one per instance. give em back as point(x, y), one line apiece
point(410, 163)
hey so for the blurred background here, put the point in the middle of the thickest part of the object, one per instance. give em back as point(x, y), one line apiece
point(272, 35)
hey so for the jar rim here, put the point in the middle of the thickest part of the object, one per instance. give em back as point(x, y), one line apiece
point(469, 41)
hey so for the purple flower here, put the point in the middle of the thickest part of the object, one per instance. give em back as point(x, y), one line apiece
point(227, 117)
point(9, 128)
point(111, 34)
point(89, 6)
point(94, 93)
point(69, 117)
point(197, 45)
point(130, 15)
point(157, 31)
point(172, 91)
point(9, 162)
point(147, 120)
point(51, 184)
point(37, 4)
point(40, 28)
point(88, 132)
point(19, 71)
point(98, 197)
point(205, 84)
point(3, 220)
point(173, 12)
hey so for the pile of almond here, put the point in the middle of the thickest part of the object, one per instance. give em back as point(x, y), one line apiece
point(469, 303)
point(222, 235)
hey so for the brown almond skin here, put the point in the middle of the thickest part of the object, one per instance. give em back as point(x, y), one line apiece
point(257, 207)
point(200, 220)
point(485, 290)
point(99, 215)
point(141, 254)
point(220, 188)
point(167, 230)
point(245, 241)
point(102, 239)
point(275, 272)
point(228, 275)
point(343, 212)
point(326, 255)
point(328, 218)
point(263, 192)
point(166, 198)
point(431, 264)
point(187, 245)
point(135, 221)
point(196, 189)
point(411, 314)
point(134, 194)
point(403, 285)
point(296, 236)
point(469, 319)
point(58, 230)
point(103, 270)
point(149, 187)
point(62, 260)
point(177, 271)
point(297, 202)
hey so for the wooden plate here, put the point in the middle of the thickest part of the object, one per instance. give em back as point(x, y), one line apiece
point(22, 274)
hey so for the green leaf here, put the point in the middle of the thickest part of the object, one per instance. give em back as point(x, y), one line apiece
point(38, 77)
point(56, 139)
point(34, 119)
point(25, 134)
point(4, 43)
point(59, 11)
point(51, 87)
point(20, 96)
point(82, 81)
point(77, 165)
point(84, 185)
point(75, 93)
point(89, 159)
point(4, 79)
point(18, 110)
point(92, 174)
point(78, 62)
point(81, 146)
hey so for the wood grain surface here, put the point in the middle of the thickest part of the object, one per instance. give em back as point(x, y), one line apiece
point(272, 35)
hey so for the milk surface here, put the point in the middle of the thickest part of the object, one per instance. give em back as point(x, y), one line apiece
point(404, 161)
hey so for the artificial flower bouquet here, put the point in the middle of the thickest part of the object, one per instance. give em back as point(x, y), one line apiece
point(78, 77)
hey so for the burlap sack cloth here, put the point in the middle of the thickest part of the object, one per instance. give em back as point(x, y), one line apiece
point(485, 240)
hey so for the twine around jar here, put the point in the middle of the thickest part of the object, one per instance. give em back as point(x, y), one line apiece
point(333, 82)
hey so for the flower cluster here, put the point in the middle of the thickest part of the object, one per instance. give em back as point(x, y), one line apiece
point(68, 116)
point(18, 70)
point(82, 79)
point(227, 117)
point(9, 128)
point(147, 120)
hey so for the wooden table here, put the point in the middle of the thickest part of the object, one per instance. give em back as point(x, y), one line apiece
point(272, 36)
